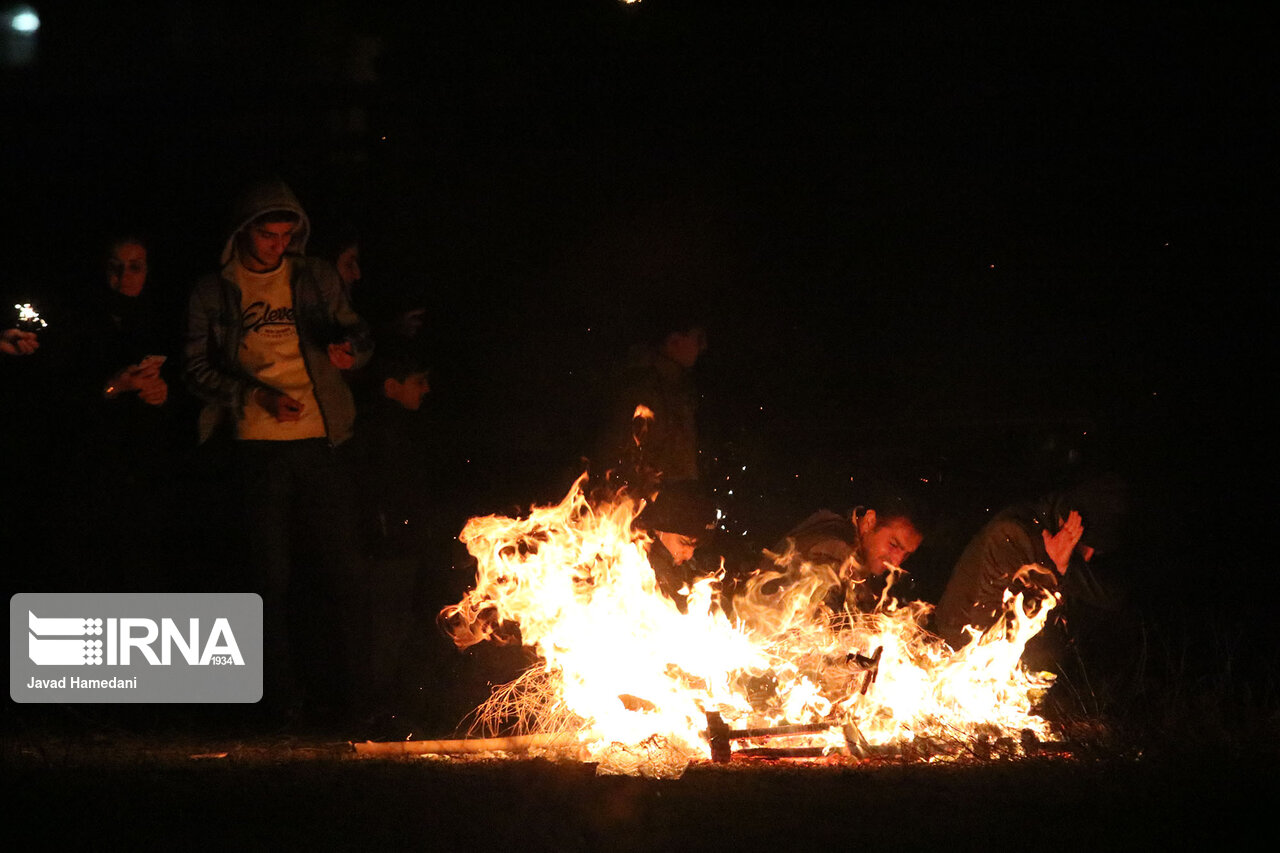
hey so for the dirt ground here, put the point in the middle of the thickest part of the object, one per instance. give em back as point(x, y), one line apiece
point(286, 793)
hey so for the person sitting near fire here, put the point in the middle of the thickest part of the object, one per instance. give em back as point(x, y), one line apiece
point(848, 561)
point(677, 521)
point(1044, 547)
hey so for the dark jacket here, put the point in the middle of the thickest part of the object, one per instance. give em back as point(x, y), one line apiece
point(118, 332)
point(400, 470)
point(668, 444)
point(212, 348)
point(1013, 539)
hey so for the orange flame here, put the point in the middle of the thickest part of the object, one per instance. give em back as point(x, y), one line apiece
point(633, 677)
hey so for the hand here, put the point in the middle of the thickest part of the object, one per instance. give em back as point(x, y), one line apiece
point(341, 356)
point(146, 371)
point(153, 391)
point(18, 342)
point(281, 406)
point(1061, 544)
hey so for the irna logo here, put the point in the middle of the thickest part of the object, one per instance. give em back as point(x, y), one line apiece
point(122, 641)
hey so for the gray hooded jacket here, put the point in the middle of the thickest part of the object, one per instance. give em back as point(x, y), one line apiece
point(212, 347)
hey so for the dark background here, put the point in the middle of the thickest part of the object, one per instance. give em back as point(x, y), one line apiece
point(991, 250)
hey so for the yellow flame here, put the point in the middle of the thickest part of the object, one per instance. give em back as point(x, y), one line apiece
point(635, 677)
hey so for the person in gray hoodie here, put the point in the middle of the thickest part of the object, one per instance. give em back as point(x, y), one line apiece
point(267, 338)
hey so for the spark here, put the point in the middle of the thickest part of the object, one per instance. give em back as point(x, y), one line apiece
point(29, 317)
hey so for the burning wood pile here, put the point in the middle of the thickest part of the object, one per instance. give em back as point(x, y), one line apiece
point(627, 681)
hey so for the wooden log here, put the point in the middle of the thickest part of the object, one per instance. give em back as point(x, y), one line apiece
point(782, 752)
point(778, 731)
point(464, 746)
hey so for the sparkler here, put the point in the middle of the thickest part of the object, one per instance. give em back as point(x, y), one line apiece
point(29, 319)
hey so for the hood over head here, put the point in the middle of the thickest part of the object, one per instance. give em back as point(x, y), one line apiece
point(267, 197)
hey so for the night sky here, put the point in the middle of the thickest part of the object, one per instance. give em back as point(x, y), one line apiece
point(986, 249)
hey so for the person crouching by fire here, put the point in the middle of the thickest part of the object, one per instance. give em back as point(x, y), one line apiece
point(846, 563)
point(1056, 537)
point(677, 521)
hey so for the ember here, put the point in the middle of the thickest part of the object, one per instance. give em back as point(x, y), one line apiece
point(646, 689)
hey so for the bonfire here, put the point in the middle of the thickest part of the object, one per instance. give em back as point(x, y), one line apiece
point(627, 681)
